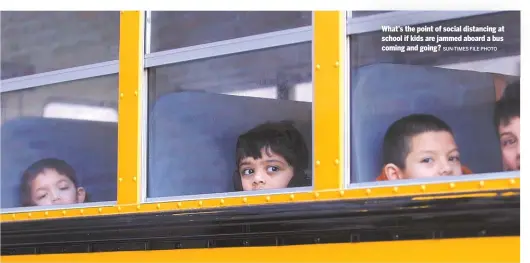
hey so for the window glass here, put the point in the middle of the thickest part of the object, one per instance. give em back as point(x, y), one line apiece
point(366, 13)
point(37, 42)
point(170, 30)
point(199, 109)
point(53, 152)
point(452, 95)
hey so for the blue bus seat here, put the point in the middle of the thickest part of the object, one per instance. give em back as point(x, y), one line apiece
point(384, 93)
point(89, 147)
point(192, 138)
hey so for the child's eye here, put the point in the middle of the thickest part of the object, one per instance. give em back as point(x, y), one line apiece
point(454, 158)
point(247, 171)
point(427, 160)
point(64, 188)
point(508, 142)
point(40, 197)
point(272, 169)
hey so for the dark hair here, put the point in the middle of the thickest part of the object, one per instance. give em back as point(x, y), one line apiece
point(396, 143)
point(37, 168)
point(283, 139)
point(509, 106)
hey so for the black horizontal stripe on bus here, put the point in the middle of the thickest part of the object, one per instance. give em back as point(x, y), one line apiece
point(271, 225)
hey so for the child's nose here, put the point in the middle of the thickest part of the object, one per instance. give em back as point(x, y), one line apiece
point(446, 168)
point(259, 177)
point(55, 196)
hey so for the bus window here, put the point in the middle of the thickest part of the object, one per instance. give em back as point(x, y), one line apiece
point(366, 13)
point(40, 42)
point(54, 155)
point(425, 107)
point(12, 70)
point(80, 111)
point(231, 123)
point(170, 29)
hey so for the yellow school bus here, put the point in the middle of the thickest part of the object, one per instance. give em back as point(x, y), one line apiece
point(147, 108)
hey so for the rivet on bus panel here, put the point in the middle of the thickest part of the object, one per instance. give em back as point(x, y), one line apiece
point(317, 195)
point(368, 191)
point(336, 64)
point(512, 181)
point(46, 213)
point(121, 95)
point(452, 185)
point(134, 178)
point(13, 216)
point(341, 193)
point(119, 208)
point(157, 206)
point(138, 207)
point(135, 93)
point(81, 211)
point(222, 201)
point(121, 179)
point(336, 161)
point(29, 214)
point(200, 203)
point(481, 184)
point(179, 204)
point(244, 200)
point(423, 187)
point(268, 198)
point(64, 212)
point(100, 210)
point(318, 66)
point(395, 190)
point(291, 197)
point(317, 163)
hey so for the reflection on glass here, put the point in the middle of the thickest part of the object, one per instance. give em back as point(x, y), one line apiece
point(80, 112)
point(37, 42)
point(182, 29)
point(444, 112)
point(199, 110)
point(366, 13)
point(53, 154)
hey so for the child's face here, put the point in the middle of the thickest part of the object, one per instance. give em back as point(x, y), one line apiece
point(431, 154)
point(52, 188)
point(509, 139)
point(271, 171)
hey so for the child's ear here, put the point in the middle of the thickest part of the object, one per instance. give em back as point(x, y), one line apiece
point(393, 172)
point(81, 195)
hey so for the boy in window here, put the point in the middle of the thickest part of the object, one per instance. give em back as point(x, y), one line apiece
point(507, 112)
point(271, 156)
point(51, 182)
point(420, 146)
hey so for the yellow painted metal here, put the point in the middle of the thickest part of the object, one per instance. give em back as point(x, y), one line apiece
point(456, 189)
point(491, 249)
point(130, 105)
point(328, 54)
